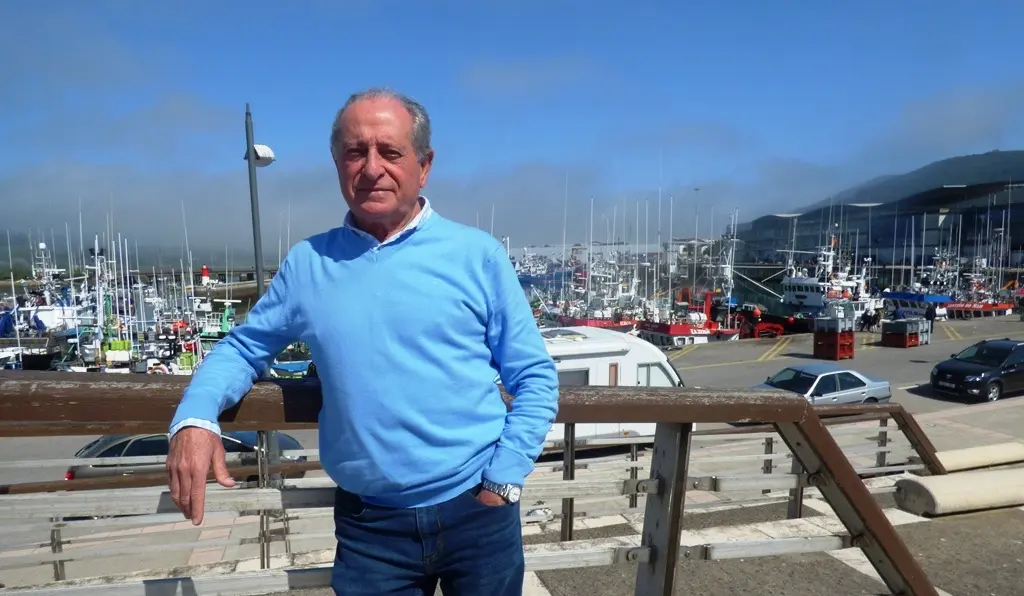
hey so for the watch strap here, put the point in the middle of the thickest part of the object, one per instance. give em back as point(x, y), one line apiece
point(509, 492)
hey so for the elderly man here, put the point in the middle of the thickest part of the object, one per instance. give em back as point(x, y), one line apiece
point(409, 316)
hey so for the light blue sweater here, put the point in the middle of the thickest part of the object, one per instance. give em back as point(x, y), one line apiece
point(407, 337)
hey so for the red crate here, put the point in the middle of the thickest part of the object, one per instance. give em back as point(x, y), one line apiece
point(842, 337)
point(900, 340)
point(833, 348)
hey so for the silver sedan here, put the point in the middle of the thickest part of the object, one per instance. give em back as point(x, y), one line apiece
point(823, 383)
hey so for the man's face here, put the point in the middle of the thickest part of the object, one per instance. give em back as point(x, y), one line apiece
point(378, 170)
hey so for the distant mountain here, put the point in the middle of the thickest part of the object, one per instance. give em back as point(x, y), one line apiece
point(994, 166)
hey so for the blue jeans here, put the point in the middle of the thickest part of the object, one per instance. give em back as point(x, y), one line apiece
point(471, 549)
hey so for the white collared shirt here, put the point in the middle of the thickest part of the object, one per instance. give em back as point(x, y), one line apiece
point(425, 212)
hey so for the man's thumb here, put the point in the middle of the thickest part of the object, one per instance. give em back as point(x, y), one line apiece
point(220, 470)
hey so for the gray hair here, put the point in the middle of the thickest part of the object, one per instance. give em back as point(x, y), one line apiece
point(420, 119)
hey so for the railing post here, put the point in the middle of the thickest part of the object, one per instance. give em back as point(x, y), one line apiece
point(568, 473)
point(663, 514)
point(883, 442)
point(795, 508)
point(57, 547)
point(769, 464)
point(919, 441)
point(268, 454)
point(634, 473)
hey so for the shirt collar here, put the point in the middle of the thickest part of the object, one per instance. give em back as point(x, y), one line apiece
point(425, 212)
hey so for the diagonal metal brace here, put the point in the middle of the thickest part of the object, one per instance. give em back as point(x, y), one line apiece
point(831, 472)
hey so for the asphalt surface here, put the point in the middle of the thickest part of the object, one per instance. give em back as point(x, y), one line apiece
point(747, 363)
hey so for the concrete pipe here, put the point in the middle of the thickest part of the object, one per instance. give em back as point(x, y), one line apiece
point(972, 458)
point(961, 493)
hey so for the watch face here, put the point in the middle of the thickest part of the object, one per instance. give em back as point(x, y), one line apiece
point(513, 494)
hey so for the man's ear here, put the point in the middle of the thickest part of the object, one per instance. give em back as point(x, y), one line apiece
point(425, 164)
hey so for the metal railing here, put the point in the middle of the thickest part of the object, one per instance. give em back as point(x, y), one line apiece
point(42, 404)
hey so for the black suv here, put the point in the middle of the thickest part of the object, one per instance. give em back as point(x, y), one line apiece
point(987, 369)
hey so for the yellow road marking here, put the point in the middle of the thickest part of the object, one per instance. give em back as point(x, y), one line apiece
point(952, 332)
point(775, 350)
point(684, 351)
point(716, 364)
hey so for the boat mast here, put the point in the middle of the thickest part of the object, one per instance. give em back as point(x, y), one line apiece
point(565, 221)
point(81, 240)
point(671, 260)
point(647, 246)
point(661, 176)
point(590, 257)
point(636, 270)
point(696, 236)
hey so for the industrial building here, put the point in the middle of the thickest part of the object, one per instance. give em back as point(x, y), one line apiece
point(983, 220)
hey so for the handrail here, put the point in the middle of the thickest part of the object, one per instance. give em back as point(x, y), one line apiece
point(139, 480)
point(68, 403)
point(51, 403)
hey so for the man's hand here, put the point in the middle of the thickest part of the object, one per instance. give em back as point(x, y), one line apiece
point(490, 499)
point(192, 452)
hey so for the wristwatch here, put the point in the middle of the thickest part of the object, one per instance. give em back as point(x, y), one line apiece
point(509, 492)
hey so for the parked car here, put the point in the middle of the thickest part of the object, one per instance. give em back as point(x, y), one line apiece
point(159, 444)
point(824, 383)
point(988, 369)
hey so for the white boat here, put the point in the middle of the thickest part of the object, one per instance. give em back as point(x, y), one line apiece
point(829, 283)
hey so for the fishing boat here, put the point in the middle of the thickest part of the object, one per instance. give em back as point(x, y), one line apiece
point(811, 294)
point(693, 321)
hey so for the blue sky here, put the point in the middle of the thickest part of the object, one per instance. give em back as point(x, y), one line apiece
point(764, 105)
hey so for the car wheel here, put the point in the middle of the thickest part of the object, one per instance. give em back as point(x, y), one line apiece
point(871, 400)
point(993, 391)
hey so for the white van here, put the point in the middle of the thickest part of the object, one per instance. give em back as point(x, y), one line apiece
point(590, 356)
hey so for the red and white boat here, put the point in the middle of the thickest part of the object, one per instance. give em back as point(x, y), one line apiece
point(693, 322)
point(972, 309)
point(614, 323)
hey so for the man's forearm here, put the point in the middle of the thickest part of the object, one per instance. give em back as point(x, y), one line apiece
point(522, 441)
point(528, 373)
point(228, 372)
point(197, 423)
point(221, 381)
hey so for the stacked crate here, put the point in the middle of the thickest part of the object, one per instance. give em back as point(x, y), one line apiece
point(906, 333)
point(833, 338)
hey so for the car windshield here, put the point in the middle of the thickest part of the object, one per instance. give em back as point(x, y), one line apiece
point(791, 379)
point(984, 355)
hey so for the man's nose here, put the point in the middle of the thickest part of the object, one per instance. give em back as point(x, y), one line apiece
point(374, 165)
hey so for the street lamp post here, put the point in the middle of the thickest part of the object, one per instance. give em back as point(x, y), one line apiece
point(256, 156)
point(268, 449)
